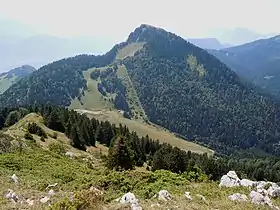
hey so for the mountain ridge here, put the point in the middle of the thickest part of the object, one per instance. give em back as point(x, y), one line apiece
point(8, 78)
point(257, 61)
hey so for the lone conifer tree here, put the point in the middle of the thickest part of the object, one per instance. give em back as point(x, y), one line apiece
point(119, 155)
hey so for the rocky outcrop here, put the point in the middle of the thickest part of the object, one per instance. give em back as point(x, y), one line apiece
point(259, 199)
point(261, 193)
point(247, 183)
point(230, 180)
point(15, 198)
point(274, 191)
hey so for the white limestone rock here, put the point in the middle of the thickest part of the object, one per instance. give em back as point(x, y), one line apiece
point(164, 195)
point(129, 198)
point(14, 178)
point(230, 180)
point(259, 199)
point(247, 183)
point(273, 192)
point(45, 199)
point(188, 196)
point(12, 196)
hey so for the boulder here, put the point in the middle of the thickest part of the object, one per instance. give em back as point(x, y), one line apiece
point(247, 183)
point(230, 180)
point(12, 196)
point(273, 191)
point(164, 195)
point(70, 154)
point(238, 197)
point(129, 198)
point(201, 197)
point(45, 199)
point(51, 193)
point(188, 196)
point(258, 198)
point(14, 178)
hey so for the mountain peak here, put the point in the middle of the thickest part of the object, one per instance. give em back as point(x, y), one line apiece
point(144, 33)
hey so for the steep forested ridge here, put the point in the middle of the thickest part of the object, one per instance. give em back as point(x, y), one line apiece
point(257, 61)
point(180, 86)
point(190, 92)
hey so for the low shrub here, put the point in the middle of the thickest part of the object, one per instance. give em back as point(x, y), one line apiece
point(84, 199)
point(28, 136)
point(57, 148)
point(33, 128)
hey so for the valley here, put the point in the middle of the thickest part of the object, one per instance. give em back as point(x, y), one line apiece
point(94, 104)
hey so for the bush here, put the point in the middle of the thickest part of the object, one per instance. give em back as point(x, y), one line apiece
point(54, 135)
point(43, 138)
point(33, 128)
point(57, 148)
point(84, 199)
point(28, 136)
point(13, 117)
point(5, 143)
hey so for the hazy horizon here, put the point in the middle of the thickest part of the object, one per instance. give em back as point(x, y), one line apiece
point(102, 24)
point(114, 20)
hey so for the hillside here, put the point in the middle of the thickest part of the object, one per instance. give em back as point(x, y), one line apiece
point(159, 77)
point(48, 173)
point(257, 61)
point(12, 76)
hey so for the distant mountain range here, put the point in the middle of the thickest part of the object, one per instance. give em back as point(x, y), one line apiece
point(258, 61)
point(209, 43)
point(7, 79)
point(238, 36)
point(42, 49)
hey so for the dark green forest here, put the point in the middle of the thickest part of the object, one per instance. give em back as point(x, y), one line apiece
point(128, 150)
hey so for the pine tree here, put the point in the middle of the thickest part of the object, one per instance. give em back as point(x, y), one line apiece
point(54, 121)
point(76, 138)
point(119, 155)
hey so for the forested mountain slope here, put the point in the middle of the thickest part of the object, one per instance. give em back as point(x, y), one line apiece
point(12, 76)
point(179, 86)
point(258, 61)
point(190, 92)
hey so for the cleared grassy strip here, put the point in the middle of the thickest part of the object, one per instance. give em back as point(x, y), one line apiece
point(144, 129)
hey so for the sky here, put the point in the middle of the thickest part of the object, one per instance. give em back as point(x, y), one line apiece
point(115, 19)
